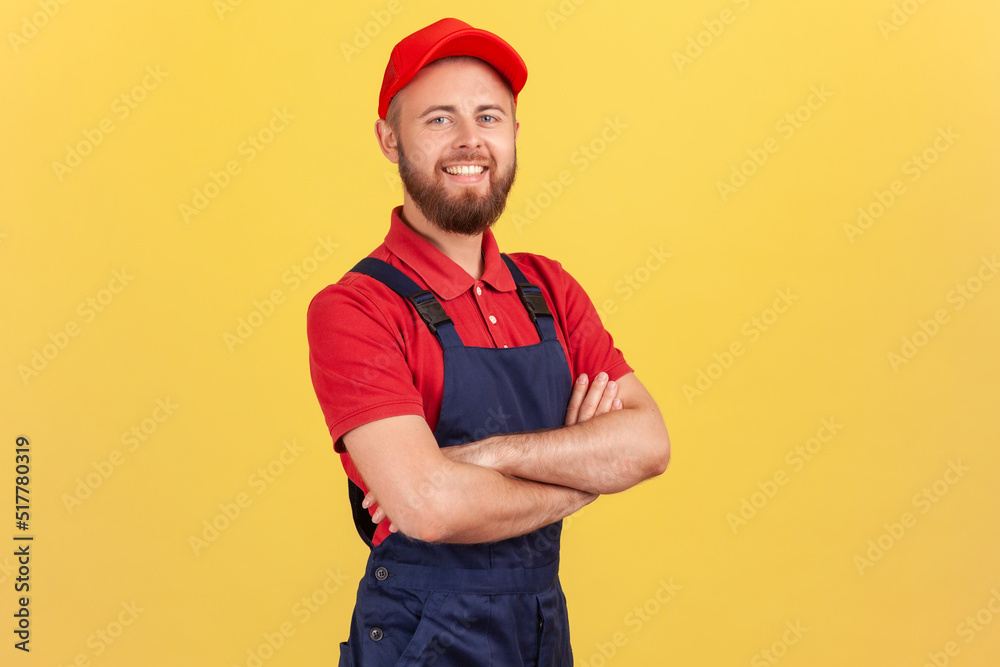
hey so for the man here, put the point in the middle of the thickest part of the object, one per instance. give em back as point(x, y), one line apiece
point(444, 370)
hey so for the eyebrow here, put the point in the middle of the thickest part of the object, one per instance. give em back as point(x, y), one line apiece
point(451, 109)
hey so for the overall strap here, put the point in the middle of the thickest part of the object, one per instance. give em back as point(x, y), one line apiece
point(534, 302)
point(426, 304)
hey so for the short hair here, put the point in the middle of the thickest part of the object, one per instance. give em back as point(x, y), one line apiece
point(392, 114)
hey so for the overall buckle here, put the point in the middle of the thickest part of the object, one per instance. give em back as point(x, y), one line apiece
point(534, 301)
point(429, 309)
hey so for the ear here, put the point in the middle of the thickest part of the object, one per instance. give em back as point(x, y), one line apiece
point(387, 140)
point(517, 126)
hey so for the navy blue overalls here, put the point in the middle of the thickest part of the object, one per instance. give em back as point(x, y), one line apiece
point(496, 603)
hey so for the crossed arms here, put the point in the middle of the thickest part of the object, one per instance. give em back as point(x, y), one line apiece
point(508, 485)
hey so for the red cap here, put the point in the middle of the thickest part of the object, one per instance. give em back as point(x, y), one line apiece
point(448, 37)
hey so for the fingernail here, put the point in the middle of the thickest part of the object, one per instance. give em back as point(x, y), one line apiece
point(602, 376)
point(582, 379)
point(617, 403)
point(612, 385)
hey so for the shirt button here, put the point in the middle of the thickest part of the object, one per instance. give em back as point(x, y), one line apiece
point(493, 319)
point(375, 634)
point(505, 346)
point(381, 574)
point(479, 290)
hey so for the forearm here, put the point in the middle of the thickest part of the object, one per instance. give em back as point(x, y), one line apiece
point(471, 504)
point(607, 454)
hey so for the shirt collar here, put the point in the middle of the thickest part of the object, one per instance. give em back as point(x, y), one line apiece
point(443, 276)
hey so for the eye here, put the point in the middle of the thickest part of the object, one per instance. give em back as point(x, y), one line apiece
point(435, 121)
point(489, 119)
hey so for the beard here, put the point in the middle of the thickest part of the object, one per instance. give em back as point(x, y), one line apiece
point(468, 213)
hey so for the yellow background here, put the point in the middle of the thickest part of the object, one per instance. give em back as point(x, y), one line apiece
point(662, 132)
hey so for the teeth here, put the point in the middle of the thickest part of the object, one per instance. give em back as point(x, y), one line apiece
point(465, 170)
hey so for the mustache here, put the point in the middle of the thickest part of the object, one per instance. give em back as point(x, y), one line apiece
point(468, 156)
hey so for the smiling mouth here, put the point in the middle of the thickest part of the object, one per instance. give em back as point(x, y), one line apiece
point(465, 170)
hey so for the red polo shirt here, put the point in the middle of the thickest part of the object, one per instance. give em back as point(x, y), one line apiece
point(371, 357)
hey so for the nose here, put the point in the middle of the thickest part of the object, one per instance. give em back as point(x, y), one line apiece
point(467, 135)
